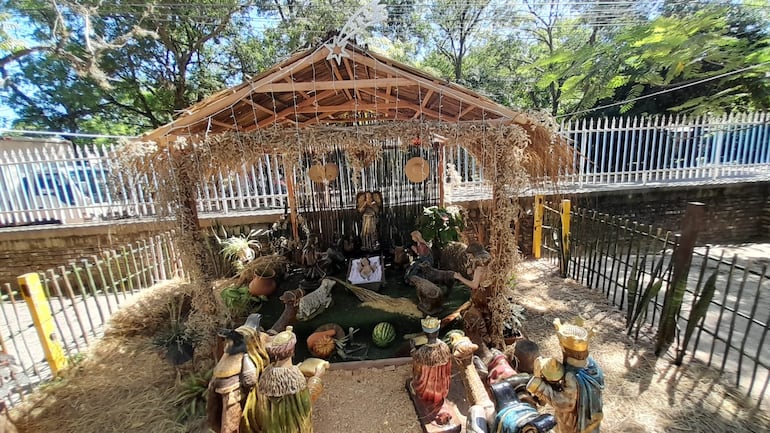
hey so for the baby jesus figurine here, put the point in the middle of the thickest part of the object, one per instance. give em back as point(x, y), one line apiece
point(366, 269)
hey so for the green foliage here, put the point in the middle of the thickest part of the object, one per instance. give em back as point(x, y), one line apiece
point(191, 394)
point(176, 338)
point(239, 301)
point(650, 292)
point(440, 225)
point(555, 55)
point(698, 313)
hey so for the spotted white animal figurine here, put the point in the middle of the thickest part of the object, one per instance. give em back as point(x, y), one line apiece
point(316, 302)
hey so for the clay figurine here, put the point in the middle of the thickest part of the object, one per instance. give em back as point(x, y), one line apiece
point(430, 299)
point(482, 411)
point(311, 259)
point(573, 387)
point(235, 375)
point(369, 205)
point(516, 416)
point(422, 252)
point(429, 386)
point(365, 268)
point(282, 400)
point(316, 302)
point(475, 317)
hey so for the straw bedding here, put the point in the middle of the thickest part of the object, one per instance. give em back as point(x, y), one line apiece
point(125, 385)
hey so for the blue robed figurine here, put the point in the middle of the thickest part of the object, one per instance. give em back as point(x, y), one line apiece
point(573, 387)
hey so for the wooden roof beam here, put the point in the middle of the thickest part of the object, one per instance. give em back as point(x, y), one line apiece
point(275, 116)
point(201, 113)
point(445, 89)
point(290, 109)
point(424, 102)
point(352, 77)
point(336, 85)
point(223, 124)
point(315, 119)
point(397, 102)
point(258, 107)
point(338, 75)
point(465, 111)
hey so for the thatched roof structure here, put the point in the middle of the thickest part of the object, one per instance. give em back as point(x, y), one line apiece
point(340, 99)
point(314, 94)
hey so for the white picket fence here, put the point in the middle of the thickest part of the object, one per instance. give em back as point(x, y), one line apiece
point(71, 184)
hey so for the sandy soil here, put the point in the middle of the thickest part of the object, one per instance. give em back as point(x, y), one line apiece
point(643, 394)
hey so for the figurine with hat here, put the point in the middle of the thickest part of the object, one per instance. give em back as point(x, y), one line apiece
point(431, 375)
point(574, 386)
point(235, 375)
point(282, 400)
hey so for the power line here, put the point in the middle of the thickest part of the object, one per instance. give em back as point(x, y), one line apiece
point(64, 134)
point(661, 92)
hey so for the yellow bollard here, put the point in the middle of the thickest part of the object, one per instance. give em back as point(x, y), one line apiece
point(537, 236)
point(33, 294)
point(565, 235)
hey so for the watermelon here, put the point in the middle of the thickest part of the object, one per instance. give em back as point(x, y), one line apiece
point(383, 334)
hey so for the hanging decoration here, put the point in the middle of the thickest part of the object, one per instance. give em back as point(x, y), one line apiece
point(417, 169)
point(370, 14)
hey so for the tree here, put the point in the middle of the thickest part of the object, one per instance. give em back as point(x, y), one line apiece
point(143, 79)
point(458, 29)
point(719, 61)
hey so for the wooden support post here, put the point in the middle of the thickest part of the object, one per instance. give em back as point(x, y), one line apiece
point(288, 169)
point(37, 302)
point(537, 236)
point(441, 175)
point(681, 261)
point(566, 206)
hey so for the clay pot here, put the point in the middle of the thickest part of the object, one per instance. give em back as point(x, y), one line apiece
point(263, 285)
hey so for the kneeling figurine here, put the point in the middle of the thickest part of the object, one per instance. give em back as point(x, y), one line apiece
point(574, 387)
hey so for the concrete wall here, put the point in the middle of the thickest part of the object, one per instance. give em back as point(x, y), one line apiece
point(42, 247)
point(734, 214)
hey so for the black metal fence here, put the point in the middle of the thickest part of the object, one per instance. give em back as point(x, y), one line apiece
point(724, 316)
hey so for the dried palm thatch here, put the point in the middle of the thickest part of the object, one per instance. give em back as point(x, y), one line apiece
point(107, 393)
point(381, 302)
point(147, 313)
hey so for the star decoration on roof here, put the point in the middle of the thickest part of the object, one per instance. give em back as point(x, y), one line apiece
point(368, 15)
point(336, 52)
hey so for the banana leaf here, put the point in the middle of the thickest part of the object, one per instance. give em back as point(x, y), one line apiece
point(641, 308)
point(697, 314)
point(650, 292)
point(632, 287)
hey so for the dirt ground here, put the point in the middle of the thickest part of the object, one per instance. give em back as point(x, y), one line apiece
point(124, 386)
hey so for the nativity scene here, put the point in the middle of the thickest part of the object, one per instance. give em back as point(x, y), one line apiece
point(373, 262)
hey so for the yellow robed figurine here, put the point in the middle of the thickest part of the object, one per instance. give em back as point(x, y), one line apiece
point(574, 386)
point(282, 401)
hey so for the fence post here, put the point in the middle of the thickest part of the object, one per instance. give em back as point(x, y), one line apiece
point(537, 237)
point(33, 294)
point(565, 236)
point(681, 260)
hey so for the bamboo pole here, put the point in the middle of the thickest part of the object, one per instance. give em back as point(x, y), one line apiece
point(441, 175)
point(288, 169)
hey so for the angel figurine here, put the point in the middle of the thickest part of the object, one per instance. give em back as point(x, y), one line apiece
point(369, 205)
